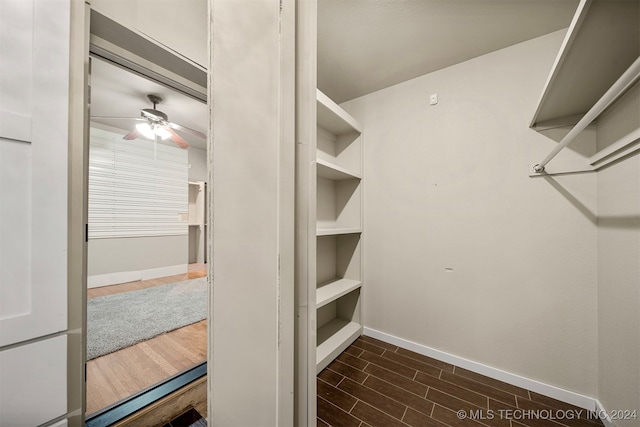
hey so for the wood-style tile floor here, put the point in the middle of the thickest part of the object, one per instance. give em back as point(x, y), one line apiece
point(118, 375)
point(376, 384)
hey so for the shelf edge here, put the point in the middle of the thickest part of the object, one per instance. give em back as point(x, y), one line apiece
point(572, 32)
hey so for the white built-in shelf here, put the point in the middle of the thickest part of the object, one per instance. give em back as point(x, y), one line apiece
point(334, 289)
point(196, 221)
point(333, 118)
point(333, 338)
point(334, 172)
point(339, 222)
point(337, 231)
point(601, 43)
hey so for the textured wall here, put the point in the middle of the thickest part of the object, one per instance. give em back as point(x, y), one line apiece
point(447, 187)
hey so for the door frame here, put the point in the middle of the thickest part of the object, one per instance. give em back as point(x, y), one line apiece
point(292, 19)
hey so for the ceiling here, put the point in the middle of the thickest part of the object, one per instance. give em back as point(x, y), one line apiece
point(120, 93)
point(367, 45)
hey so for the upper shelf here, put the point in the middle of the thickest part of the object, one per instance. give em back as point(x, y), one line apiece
point(337, 231)
point(602, 41)
point(332, 171)
point(333, 118)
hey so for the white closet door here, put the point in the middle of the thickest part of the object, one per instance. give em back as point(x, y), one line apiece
point(34, 76)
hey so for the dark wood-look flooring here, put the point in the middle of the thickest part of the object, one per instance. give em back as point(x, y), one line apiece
point(373, 383)
point(118, 375)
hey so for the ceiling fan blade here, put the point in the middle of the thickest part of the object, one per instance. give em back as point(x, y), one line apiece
point(134, 134)
point(187, 130)
point(177, 139)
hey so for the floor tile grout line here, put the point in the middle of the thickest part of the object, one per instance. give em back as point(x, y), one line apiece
point(455, 397)
point(354, 403)
point(402, 403)
point(408, 391)
point(477, 392)
point(375, 391)
point(395, 372)
point(427, 363)
point(355, 367)
point(406, 408)
point(336, 406)
point(440, 421)
point(418, 361)
point(493, 387)
point(376, 345)
point(401, 376)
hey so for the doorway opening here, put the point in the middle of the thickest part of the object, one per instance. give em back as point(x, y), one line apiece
point(147, 277)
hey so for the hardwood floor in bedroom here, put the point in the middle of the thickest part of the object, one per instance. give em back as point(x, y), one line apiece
point(115, 376)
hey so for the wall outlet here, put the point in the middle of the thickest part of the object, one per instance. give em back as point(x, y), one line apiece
point(433, 99)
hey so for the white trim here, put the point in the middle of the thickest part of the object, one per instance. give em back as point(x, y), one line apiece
point(606, 420)
point(98, 280)
point(563, 395)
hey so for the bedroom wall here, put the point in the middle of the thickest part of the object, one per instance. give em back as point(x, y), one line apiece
point(619, 264)
point(463, 251)
point(122, 260)
point(197, 164)
point(116, 260)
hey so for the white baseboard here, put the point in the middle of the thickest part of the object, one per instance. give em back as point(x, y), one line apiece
point(567, 396)
point(99, 280)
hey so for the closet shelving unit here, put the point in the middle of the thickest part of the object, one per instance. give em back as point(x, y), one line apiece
point(601, 44)
point(339, 224)
point(196, 221)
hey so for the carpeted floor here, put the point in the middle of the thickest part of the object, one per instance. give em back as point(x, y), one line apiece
point(121, 320)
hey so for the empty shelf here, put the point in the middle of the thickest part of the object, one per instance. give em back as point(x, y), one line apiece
point(334, 172)
point(336, 231)
point(333, 339)
point(333, 118)
point(600, 44)
point(331, 291)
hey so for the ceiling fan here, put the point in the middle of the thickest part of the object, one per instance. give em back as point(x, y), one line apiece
point(154, 123)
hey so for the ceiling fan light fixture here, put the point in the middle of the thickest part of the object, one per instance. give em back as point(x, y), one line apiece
point(146, 130)
point(162, 132)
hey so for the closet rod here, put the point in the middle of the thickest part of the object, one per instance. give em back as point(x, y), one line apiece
point(625, 81)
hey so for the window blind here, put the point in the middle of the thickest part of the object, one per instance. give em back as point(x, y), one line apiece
point(136, 189)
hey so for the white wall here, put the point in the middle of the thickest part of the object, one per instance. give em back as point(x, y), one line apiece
point(136, 253)
point(197, 164)
point(447, 187)
point(123, 259)
point(619, 264)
